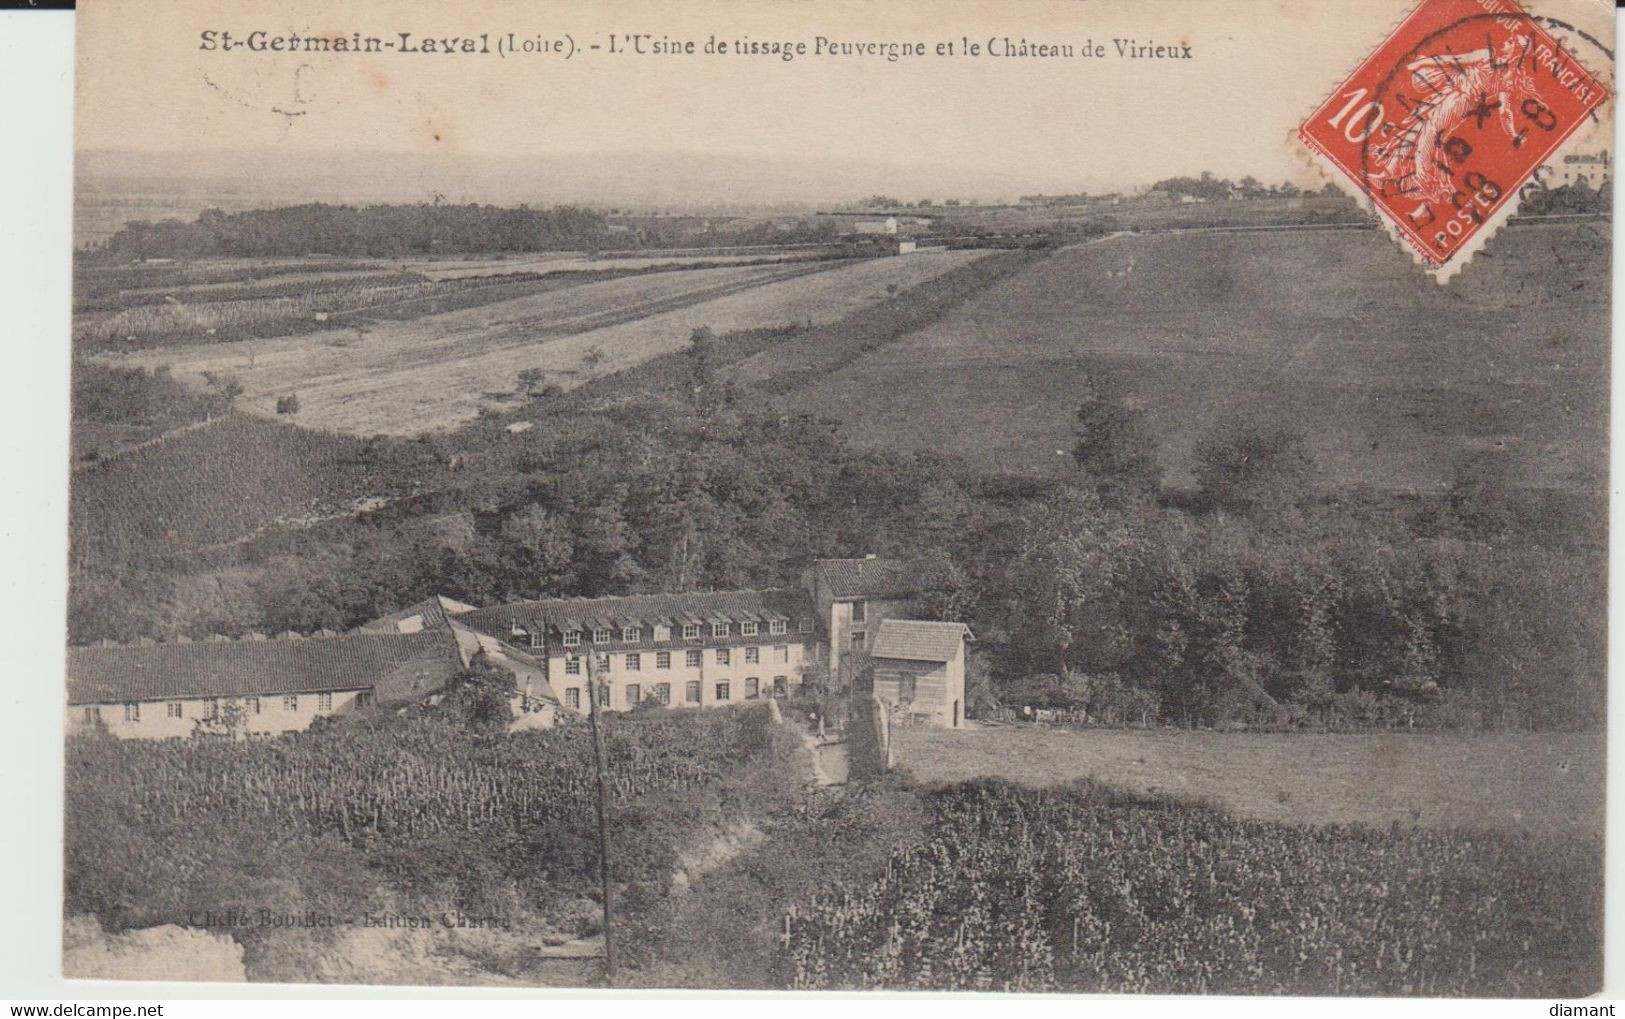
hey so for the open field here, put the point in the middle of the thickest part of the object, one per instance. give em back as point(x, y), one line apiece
point(1543, 784)
point(403, 377)
point(1323, 330)
point(284, 302)
point(567, 261)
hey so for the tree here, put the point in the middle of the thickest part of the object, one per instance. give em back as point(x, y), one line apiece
point(980, 697)
point(228, 720)
point(1251, 466)
point(1068, 576)
point(1206, 187)
point(300, 594)
point(1114, 445)
point(228, 386)
point(288, 404)
point(531, 381)
point(538, 551)
point(481, 695)
point(605, 546)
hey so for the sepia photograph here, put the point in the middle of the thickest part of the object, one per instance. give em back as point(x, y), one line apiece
point(1076, 496)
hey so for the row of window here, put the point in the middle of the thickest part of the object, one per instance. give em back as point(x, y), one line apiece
point(249, 706)
point(693, 658)
point(690, 631)
point(660, 693)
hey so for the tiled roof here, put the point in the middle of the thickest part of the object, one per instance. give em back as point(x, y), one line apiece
point(872, 578)
point(916, 641)
point(554, 615)
point(530, 675)
point(431, 612)
point(394, 663)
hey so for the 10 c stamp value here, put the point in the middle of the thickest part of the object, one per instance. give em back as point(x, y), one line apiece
point(1442, 124)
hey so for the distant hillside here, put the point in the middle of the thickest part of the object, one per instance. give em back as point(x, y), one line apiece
point(1331, 332)
point(224, 481)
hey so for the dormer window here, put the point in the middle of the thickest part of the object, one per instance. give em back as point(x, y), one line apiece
point(572, 638)
point(536, 640)
point(631, 634)
point(806, 625)
point(691, 631)
point(720, 629)
point(747, 629)
point(662, 633)
point(600, 635)
point(778, 626)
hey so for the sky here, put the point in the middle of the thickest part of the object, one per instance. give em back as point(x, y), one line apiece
point(933, 125)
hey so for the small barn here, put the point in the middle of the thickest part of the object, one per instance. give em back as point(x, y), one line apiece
point(919, 671)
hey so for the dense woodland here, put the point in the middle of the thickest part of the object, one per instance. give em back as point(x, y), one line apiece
point(423, 229)
point(1259, 597)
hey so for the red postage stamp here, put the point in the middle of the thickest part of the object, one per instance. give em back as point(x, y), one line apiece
point(1445, 121)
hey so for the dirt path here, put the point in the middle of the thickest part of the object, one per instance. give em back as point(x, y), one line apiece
point(829, 763)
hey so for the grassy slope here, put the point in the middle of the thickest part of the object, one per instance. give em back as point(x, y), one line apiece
point(1540, 784)
point(1393, 376)
point(787, 367)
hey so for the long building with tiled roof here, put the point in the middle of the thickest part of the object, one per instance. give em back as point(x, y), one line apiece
point(253, 686)
point(693, 649)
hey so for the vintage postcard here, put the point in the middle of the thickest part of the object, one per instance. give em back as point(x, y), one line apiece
point(1012, 496)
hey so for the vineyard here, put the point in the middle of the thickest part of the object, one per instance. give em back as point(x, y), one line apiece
point(218, 483)
point(1088, 891)
point(156, 829)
